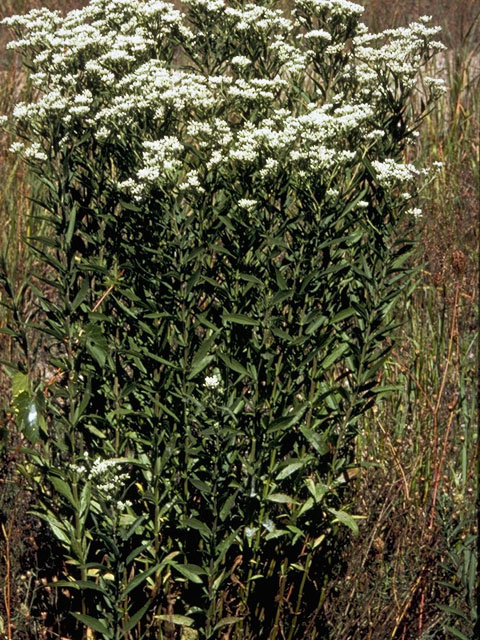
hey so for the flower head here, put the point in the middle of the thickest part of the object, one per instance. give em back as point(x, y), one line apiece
point(212, 382)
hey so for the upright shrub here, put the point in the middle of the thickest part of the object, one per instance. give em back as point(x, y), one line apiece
point(224, 187)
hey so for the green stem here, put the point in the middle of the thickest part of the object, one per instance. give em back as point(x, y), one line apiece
point(280, 596)
point(258, 536)
point(293, 626)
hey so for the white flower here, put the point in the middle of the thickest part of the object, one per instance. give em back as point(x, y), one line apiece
point(209, 5)
point(390, 172)
point(104, 475)
point(123, 506)
point(438, 85)
point(376, 134)
point(270, 168)
point(79, 468)
point(332, 193)
point(192, 183)
point(317, 34)
point(212, 382)
point(247, 204)
point(241, 61)
point(335, 7)
point(17, 147)
point(35, 152)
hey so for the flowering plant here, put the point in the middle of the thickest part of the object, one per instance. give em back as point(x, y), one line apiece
point(224, 185)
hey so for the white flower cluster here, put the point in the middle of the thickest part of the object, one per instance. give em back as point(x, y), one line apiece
point(212, 382)
point(390, 172)
point(334, 7)
point(211, 6)
point(129, 73)
point(257, 18)
point(317, 34)
point(437, 86)
point(399, 51)
point(416, 212)
point(257, 89)
point(247, 204)
point(241, 61)
point(103, 473)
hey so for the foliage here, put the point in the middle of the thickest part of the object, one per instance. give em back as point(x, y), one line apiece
point(222, 189)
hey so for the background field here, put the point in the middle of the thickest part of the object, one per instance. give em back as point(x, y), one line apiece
point(412, 571)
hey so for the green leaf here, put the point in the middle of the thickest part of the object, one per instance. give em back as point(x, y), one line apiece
point(353, 203)
point(200, 366)
point(281, 296)
point(202, 358)
point(227, 506)
point(58, 529)
point(278, 533)
point(9, 332)
point(20, 384)
point(386, 389)
point(138, 579)
point(315, 324)
point(97, 432)
point(96, 343)
point(282, 498)
point(249, 278)
point(29, 415)
point(138, 615)
point(77, 584)
point(194, 523)
point(239, 318)
point(456, 633)
point(84, 506)
point(334, 356)
point(289, 469)
point(345, 518)
point(63, 489)
point(306, 506)
point(175, 618)
point(201, 485)
point(189, 571)
point(93, 623)
point(319, 441)
point(317, 489)
point(82, 294)
point(452, 611)
point(228, 620)
point(234, 365)
point(343, 315)
point(129, 206)
point(72, 214)
point(285, 422)
point(137, 552)
point(227, 542)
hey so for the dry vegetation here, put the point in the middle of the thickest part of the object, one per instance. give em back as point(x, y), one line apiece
point(412, 571)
